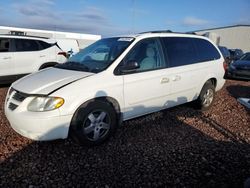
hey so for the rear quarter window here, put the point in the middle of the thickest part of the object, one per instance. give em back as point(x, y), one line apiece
point(205, 50)
point(44, 45)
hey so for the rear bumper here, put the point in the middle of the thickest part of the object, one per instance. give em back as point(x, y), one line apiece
point(240, 75)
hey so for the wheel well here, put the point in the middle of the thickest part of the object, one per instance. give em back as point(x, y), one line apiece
point(214, 81)
point(111, 101)
point(46, 65)
point(114, 103)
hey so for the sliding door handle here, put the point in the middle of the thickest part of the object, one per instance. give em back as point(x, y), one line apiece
point(164, 80)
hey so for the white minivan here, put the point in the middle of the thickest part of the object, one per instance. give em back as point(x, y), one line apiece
point(22, 55)
point(113, 80)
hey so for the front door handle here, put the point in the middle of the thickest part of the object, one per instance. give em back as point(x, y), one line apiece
point(164, 80)
point(6, 58)
point(176, 78)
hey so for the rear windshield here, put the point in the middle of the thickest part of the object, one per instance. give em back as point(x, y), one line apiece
point(98, 56)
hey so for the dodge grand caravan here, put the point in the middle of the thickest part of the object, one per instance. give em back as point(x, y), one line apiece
point(113, 80)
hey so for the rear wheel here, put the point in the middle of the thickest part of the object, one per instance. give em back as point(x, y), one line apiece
point(206, 97)
point(94, 123)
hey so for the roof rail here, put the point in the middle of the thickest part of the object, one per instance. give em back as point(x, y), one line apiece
point(24, 36)
point(192, 33)
point(169, 31)
point(159, 31)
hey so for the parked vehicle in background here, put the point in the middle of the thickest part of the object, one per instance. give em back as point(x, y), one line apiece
point(82, 39)
point(226, 54)
point(21, 55)
point(69, 46)
point(240, 69)
point(113, 80)
point(235, 54)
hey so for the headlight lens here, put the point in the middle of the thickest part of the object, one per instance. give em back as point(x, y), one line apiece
point(41, 104)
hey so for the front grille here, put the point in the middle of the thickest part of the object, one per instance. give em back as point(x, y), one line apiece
point(18, 96)
point(12, 106)
point(15, 99)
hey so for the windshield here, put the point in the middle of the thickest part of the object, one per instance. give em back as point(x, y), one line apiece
point(98, 56)
point(245, 57)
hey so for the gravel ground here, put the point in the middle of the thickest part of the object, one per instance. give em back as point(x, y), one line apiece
point(178, 147)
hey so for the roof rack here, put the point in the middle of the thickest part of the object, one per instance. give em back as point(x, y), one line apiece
point(159, 31)
point(168, 31)
point(24, 36)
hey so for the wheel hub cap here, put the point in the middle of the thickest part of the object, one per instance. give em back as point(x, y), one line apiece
point(208, 97)
point(96, 125)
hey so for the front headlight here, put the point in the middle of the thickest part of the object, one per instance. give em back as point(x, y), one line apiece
point(41, 104)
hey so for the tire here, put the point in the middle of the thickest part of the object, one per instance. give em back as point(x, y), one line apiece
point(93, 123)
point(206, 97)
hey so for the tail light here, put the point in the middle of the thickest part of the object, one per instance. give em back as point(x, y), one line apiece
point(225, 65)
point(62, 53)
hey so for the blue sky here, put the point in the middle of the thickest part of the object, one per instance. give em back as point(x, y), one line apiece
point(113, 17)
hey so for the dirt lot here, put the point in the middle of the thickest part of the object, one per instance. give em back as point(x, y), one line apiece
point(176, 147)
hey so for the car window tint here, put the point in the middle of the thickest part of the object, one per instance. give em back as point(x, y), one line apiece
point(147, 53)
point(205, 50)
point(44, 45)
point(224, 51)
point(180, 51)
point(4, 45)
point(245, 57)
point(26, 45)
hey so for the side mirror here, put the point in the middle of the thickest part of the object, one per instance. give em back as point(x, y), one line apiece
point(129, 66)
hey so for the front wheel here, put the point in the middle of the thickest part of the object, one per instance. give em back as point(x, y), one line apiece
point(206, 97)
point(94, 123)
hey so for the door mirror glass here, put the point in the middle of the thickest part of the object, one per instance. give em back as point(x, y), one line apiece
point(129, 66)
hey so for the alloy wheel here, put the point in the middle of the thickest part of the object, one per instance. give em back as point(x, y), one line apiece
point(208, 97)
point(96, 125)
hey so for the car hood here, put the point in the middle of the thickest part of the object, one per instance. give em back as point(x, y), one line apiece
point(48, 80)
point(242, 63)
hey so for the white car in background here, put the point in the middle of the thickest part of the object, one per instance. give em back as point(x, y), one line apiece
point(21, 55)
point(140, 74)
